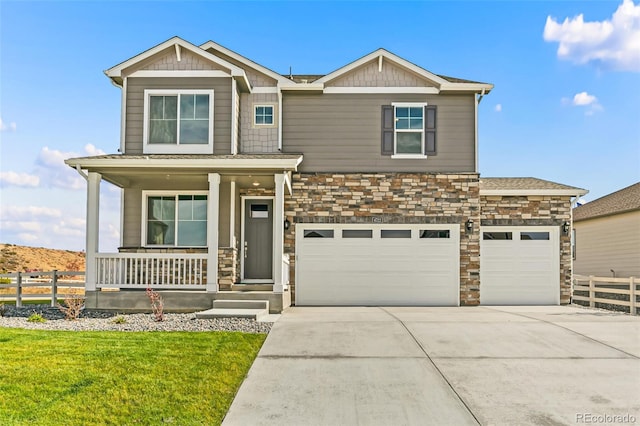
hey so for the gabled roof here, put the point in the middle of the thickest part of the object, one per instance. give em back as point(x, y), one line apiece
point(264, 70)
point(521, 186)
point(443, 83)
point(115, 73)
point(624, 200)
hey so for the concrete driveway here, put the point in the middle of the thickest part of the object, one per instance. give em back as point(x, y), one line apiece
point(552, 365)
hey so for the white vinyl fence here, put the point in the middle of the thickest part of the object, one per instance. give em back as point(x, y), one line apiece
point(30, 286)
point(607, 291)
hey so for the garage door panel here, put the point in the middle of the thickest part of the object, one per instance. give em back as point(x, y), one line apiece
point(523, 270)
point(378, 271)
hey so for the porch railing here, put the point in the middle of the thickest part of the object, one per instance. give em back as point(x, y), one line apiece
point(156, 270)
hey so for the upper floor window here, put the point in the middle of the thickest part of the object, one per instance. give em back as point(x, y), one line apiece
point(178, 121)
point(263, 115)
point(408, 130)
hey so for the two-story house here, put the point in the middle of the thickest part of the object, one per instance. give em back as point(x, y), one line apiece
point(360, 187)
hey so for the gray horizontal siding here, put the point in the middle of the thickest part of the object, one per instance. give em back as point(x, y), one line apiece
point(132, 217)
point(221, 105)
point(342, 132)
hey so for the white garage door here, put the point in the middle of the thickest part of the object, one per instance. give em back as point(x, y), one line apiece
point(519, 265)
point(377, 264)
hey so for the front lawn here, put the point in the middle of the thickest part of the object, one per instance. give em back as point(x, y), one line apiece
point(117, 378)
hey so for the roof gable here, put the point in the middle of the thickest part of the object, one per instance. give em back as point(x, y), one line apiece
point(624, 200)
point(376, 73)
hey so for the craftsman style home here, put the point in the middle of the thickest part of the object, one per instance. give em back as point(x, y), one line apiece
point(359, 187)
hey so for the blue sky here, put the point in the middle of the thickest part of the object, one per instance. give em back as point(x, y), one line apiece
point(566, 103)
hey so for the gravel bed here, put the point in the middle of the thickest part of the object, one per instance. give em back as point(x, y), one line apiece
point(108, 321)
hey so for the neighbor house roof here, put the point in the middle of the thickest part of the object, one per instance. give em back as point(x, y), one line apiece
point(526, 186)
point(624, 200)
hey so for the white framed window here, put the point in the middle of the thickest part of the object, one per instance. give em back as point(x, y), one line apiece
point(264, 115)
point(174, 219)
point(178, 121)
point(409, 132)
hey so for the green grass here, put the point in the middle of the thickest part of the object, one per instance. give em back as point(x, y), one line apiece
point(118, 378)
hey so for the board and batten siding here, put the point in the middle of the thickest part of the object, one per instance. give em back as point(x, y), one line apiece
point(342, 133)
point(221, 105)
point(606, 243)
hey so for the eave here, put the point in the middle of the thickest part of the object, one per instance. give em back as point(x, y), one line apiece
point(539, 192)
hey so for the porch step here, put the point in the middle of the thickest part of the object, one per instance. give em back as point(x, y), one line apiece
point(251, 287)
point(229, 308)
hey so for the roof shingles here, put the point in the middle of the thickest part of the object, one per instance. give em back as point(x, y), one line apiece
point(624, 200)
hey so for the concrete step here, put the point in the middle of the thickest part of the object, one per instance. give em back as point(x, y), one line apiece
point(252, 287)
point(236, 308)
point(240, 304)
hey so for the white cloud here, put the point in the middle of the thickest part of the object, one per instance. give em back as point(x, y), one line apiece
point(498, 108)
point(614, 43)
point(583, 98)
point(18, 179)
point(21, 213)
point(53, 170)
point(10, 127)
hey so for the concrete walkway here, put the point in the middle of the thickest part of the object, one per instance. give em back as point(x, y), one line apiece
point(552, 365)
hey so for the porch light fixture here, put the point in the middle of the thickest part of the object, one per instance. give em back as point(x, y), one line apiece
point(566, 227)
point(256, 183)
point(287, 224)
point(469, 225)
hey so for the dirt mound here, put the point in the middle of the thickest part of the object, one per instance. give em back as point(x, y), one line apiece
point(26, 259)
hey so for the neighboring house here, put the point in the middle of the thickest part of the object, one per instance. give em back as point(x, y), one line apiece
point(607, 235)
point(360, 187)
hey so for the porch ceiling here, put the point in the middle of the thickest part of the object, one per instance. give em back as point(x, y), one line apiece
point(187, 171)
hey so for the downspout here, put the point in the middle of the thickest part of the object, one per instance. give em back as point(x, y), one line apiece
point(83, 174)
point(478, 99)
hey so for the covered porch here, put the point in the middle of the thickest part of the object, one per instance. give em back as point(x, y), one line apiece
point(197, 228)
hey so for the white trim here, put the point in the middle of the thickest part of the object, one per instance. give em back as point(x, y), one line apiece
point(420, 105)
point(243, 60)
point(243, 198)
point(116, 71)
point(161, 193)
point(410, 104)
point(391, 57)
point(234, 117)
point(309, 87)
point(178, 57)
point(392, 90)
point(380, 63)
point(256, 105)
point(409, 156)
point(213, 219)
point(466, 87)
point(192, 164)
point(232, 213)
point(176, 148)
point(265, 89)
point(121, 217)
point(123, 116)
point(180, 73)
point(92, 229)
point(523, 192)
point(278, 233)
point(279, 121)
point(475, 135)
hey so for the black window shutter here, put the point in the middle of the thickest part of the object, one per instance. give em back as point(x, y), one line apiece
point(430, 130)
point(387, 130)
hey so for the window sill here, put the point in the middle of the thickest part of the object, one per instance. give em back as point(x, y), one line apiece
point(409, 157)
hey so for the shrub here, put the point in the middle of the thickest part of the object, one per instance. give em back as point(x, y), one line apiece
point(5, 280)
point(36, 317)
point(72, 308)
point(119, 320)
point(157, 304)
point(3, 309)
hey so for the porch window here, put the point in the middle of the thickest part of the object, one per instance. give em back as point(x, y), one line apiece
point(178, 122)
point(177, 220)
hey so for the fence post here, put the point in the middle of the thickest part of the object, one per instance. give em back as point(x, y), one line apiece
point(592, 292)
point(19, 290)
point(54, 288)
point(632, 296)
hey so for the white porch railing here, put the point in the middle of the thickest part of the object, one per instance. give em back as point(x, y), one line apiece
point(156, 270)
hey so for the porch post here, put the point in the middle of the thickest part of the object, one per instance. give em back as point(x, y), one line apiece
point(93, 229)
point(278, 234)
point(213, 213)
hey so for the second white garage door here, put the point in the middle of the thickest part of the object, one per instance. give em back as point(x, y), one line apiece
point(377, 265)
point(519, 265)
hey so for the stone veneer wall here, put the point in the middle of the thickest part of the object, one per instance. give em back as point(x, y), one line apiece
point(228, 269)
point(534, 211)
point(391, 198)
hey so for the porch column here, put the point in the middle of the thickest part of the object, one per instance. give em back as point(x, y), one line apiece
point(213, 213)
point(278, 234)
point(93, 229)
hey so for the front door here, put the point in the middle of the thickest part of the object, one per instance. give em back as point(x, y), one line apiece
point(258, 239)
